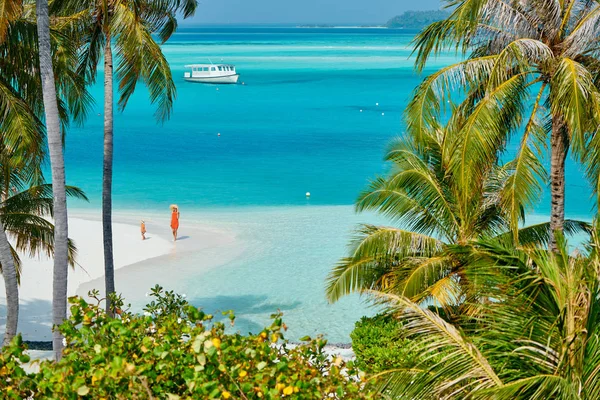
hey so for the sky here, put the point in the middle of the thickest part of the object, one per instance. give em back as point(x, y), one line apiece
point(303, 11)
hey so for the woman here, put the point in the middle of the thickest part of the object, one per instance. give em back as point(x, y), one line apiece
point(174, 220)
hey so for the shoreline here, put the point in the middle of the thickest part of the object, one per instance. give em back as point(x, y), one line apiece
point(131, 255)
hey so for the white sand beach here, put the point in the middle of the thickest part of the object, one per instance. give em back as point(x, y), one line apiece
point(129, 250)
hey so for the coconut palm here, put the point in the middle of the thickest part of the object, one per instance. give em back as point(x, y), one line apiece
point(57, 167)
point(22, 132)
point(543, 57)
point(538, 339)
point(125, 27)
point(425, 199)
point(25, 202)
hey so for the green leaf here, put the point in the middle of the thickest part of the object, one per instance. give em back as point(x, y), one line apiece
point(83, 390)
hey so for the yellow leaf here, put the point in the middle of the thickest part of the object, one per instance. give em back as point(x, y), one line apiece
point(288, 390)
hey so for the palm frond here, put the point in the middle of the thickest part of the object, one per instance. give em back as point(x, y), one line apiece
point(374, 253)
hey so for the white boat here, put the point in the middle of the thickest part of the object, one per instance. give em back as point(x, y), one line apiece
point(211, 73)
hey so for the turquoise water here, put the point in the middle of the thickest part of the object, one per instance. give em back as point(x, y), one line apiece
point(294, 126)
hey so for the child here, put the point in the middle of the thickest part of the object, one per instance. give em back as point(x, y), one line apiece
point(143, 230)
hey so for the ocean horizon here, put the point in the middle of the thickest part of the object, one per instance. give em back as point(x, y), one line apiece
point(314, 112)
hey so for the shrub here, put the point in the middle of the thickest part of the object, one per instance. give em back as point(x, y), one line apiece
point(175, 351)
point(379, 345)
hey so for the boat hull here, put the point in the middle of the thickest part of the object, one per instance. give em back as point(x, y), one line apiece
point(214, 79)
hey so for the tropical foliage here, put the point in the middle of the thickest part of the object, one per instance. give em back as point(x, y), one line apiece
point(379, 344)
point(23, 201)
point(538, 338)
point(436, 207)
point(175, 351)
point(541, 60)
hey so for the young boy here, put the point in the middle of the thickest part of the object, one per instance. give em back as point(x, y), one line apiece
point(143, 230)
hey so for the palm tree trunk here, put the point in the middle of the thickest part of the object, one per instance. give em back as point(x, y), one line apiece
point(12, 288)
point(57, 166)
point(559, 146)
point(109, 272)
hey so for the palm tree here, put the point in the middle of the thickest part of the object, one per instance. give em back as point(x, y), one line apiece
point(541, 56)
point(57, 166)
point(426, 198)
point(538, 339)
point(125, 27)
point(22, 132)
point(25, 201)
point(22, 217)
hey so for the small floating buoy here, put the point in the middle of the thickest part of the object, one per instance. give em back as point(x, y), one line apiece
point(307, 194)
point(382, 114)
point(219, 134)
point(217, 88)
point(243, 83)
point(360, 110)
point(376, 104)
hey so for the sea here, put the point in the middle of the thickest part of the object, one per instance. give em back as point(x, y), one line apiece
point(314, 111)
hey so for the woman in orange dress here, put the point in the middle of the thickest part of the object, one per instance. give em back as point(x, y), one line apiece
point(174, 220)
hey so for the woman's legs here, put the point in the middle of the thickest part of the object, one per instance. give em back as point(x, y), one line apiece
point(174, 235)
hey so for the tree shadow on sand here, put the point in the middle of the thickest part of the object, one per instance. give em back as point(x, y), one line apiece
point(35, 320)
point(243, 305)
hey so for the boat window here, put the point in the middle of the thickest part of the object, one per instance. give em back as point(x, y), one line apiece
point(220, 68)
point(204, 68)
point(213, 69)
point(226, 68)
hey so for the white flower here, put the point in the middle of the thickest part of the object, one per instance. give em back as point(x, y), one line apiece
point(64, 342)
point(184, 295)
point(159, 311)
point(178, 320)
point(147, 314)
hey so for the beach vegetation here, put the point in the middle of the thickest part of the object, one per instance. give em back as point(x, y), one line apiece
point(537, 58)
point(538, 336)
point(435, 208)
point(379, 344)
point(176, 351)
point(30, 114)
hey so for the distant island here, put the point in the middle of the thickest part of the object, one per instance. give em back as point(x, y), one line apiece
point(407, 20)
point(416, 19)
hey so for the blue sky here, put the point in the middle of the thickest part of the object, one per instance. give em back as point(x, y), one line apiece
point(304, 11)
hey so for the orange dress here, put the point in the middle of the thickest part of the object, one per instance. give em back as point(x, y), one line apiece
point(175, 220)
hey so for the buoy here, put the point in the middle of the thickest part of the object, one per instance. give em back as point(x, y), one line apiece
point(376, 104)
point(307, 194)
point(382, 113)
point(217, 88)
point(360, 110)
point(219, 134)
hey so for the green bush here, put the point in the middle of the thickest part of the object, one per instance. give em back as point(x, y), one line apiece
point(379, 345)
point(175, 351)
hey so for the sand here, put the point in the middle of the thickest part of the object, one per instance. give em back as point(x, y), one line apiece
point(131, 253)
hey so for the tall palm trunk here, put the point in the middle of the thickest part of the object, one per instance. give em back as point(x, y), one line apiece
point(559, 146)
point(12, 288)
point(57, 166)
point(109, 270)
